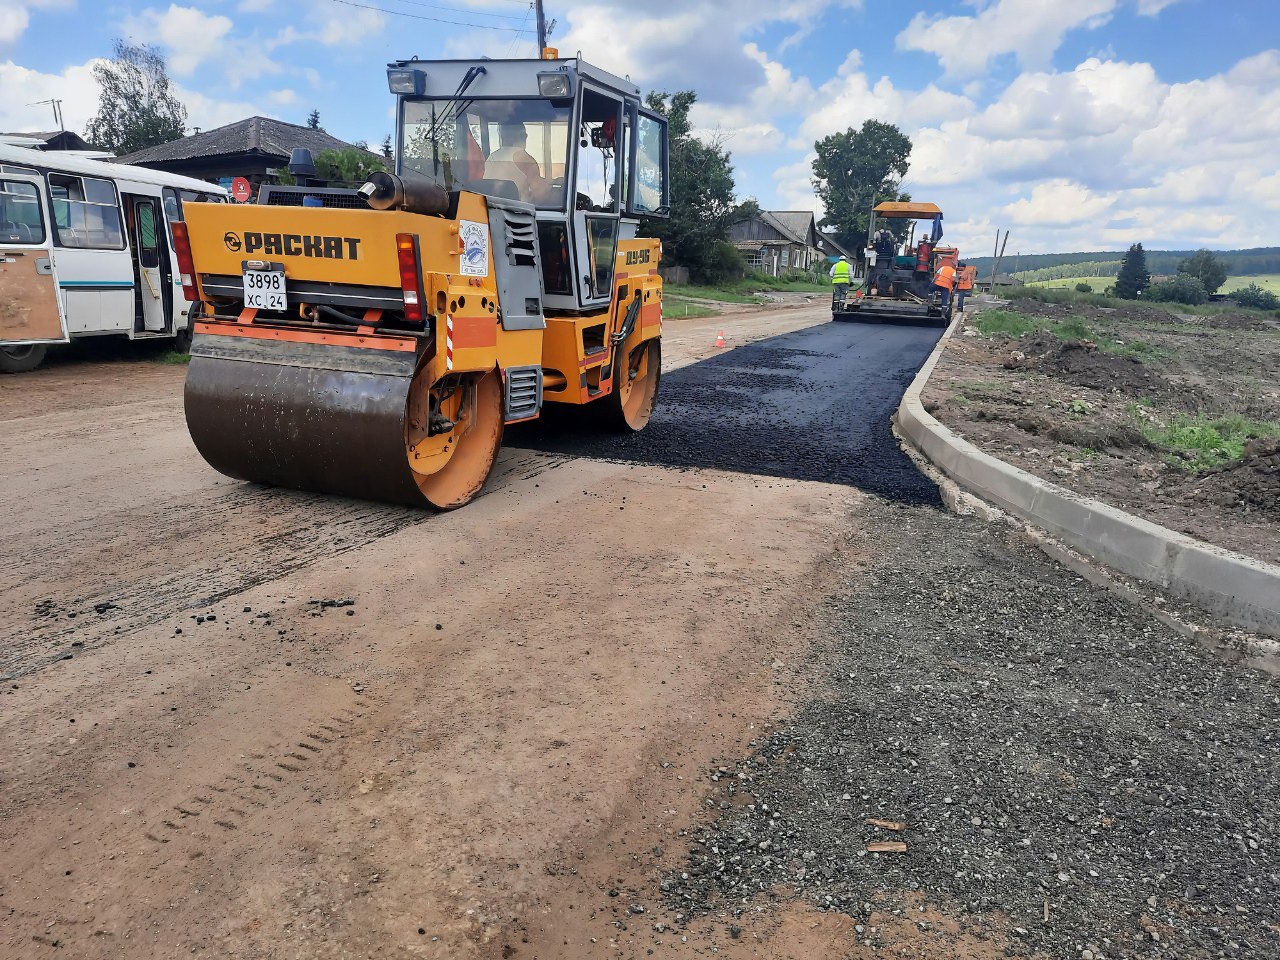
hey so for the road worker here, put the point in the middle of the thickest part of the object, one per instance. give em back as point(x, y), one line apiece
point(964, 283)
point(944, 281)
point(924, 253)
point(841, 276)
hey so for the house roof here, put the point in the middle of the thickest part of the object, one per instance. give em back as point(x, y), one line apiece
point(71, 139)
point(827, 242)
point(255, 135)
point(795, 225)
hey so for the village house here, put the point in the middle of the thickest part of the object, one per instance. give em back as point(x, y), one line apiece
point(778, 241)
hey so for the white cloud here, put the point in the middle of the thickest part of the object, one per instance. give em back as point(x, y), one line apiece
point(188, 36)
point(1150, 8)
point(23, 88)
point(347, 25)
point(1057, 203)
point(13, 23)
point(1031, 30)
point(15, 17)
point(207, 112)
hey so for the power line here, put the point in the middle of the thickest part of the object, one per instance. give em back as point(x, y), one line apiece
point(415, 16)
point(468, 11)
point(516, 38)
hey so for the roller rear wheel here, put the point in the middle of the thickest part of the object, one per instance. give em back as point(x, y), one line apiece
point(635, 388)
point(473, 405)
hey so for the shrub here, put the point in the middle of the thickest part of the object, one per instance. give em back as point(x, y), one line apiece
point(1184, 288)
point(724, 263)
point(1083, 288)
point(1255, 297)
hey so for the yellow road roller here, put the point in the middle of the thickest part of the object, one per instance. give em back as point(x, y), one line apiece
point(374, 342)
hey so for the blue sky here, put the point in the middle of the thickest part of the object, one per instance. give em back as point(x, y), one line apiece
point(1087, 124)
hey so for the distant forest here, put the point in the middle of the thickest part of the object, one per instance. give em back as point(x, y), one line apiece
point(1053, 266)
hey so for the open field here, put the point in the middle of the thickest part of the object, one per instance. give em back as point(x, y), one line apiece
point(1267, 281)
point(1098, 283)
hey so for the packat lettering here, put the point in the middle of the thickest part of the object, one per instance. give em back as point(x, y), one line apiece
point(302, 245)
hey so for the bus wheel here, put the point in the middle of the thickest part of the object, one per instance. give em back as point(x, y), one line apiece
point(182, 340)
point(20, 359)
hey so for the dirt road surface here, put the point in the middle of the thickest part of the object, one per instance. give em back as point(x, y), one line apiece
point(245, 722)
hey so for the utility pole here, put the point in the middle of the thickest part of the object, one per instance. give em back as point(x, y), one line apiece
point(542, 26)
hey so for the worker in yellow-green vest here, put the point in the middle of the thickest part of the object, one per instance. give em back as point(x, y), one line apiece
point(841, 276)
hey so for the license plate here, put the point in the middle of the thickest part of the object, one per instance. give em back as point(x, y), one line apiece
point(264, 290)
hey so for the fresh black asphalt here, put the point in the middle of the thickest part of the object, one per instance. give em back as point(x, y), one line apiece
point(814, 404)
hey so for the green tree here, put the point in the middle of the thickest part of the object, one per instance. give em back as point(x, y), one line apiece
point(387, 148)
point(703, 201)
point(313, 120)
point(854, 171)
point(351, 165)
point(1184, 288)
point(1207, 268)
point(136, 107)
point(1134, 276)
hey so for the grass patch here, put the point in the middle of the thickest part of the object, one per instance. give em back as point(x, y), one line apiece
point(677, 308)
point(1008, 323)
point(746, 290)
point(173, 357)
point(1199, 443)
point(723, 293)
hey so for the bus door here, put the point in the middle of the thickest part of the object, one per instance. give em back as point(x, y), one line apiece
point(30, 308)
point(154, 298)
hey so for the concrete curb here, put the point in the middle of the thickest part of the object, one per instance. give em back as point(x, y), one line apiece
point(1239, 589)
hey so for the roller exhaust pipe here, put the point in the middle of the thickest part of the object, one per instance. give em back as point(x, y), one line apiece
point(386, 191)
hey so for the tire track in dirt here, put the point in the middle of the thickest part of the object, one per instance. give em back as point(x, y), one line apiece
point(68, 592)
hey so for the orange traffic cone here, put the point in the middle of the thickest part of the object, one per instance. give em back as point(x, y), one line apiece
point(720, 339)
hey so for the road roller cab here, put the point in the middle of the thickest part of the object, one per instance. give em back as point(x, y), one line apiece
point(374, 342)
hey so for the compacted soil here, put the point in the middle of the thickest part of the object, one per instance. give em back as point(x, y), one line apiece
point(654, 696)
point(1088, 403)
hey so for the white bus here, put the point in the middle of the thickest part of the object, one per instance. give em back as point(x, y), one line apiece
point(86, 249)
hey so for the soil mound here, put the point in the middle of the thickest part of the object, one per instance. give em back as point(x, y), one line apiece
point(1082, 364)
point(1252, 481)
point(1237, 321)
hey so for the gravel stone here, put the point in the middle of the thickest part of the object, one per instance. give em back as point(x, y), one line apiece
point(1119, 769)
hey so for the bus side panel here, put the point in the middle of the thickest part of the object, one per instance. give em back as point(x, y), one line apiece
point(97, 290)
point(29, 307)
point(28, 297)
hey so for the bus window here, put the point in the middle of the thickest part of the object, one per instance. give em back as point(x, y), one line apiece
point(86, 213)
point(20, 220)
point(173, 200)
point(148, 247)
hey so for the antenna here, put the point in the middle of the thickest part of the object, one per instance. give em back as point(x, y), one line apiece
point(57, 111)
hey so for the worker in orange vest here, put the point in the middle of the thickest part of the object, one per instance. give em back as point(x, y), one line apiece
point(964, 283)
point(944, 280)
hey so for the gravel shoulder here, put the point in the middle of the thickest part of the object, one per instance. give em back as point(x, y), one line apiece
point(1173, 418)
point(1066, 777)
